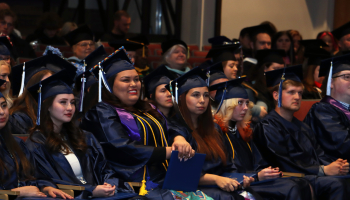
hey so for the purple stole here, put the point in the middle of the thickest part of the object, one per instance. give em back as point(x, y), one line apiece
point(129, 123)
point(335, 103)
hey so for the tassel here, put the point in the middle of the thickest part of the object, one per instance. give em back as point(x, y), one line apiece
point(208, 78)
point(143, 51)
point(176, 93)
point(280, 91)
point(222, 99)
point(171, 91)
point(23, 78)
point(188, 52)
point(82, 90)
point(104, 80)
point(99, 82)
point(143, 190)
point(150, 185)
point(329, 81)
point(39, 106)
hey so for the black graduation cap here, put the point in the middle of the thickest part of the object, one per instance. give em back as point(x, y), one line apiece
point(341, 31)
point(79, 34)
point(333, 65)
point(228, 90)
point(294, 73)
point(170, 43)
point(58, 83)
point(213, 71)
point(270, 55)
point(5, 46)
point(191, 79)
point(263, 28)
point(223, 52)
point(316, 55)
point(219, 40)
point(159, 76)
point(314, 43)
point(128, 45)
point(28, 69)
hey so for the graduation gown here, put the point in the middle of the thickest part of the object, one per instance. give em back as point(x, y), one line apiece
point(9, 180)
point(55, 166)
point(248, 159)
point(20, 123)
point(123, 141)
point(330, 121)
point(292, 147)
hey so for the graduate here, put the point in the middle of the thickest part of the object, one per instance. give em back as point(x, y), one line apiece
point(62, 151)
point(291, 145)
point(16, 170)
point(6, 51)
point(132, 134)
point(234, 117)
point(330, 118)
point(192, 94)
point(23, 111)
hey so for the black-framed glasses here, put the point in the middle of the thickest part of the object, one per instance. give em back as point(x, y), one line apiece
point(345, 76)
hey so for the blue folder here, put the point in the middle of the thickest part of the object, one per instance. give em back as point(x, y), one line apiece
point(184, 176)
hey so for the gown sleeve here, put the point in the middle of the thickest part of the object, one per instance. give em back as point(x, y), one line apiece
point(331, 127)
point(125, 155)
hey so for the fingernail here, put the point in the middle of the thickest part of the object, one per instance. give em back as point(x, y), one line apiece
point(185, 159)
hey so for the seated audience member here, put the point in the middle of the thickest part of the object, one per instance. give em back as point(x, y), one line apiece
point(175, 55)
point(82, 42)
point(23, 112)
point(47, 30)
point(5, 70)
point(329, 119)
point(328, 38)
point(132, 133)
point(314, 53)
point(17, 173)
point(284, 41)
point(298, 51)
point(244, 39)
point(62, 151)
point(121, 26)
point(5, 6)
point(137, 50)
point(6, 51)
point(291, 145)
point(20, 47)
point(206, 136)
point(67, 28)
point(234, 117)
point(342, 34)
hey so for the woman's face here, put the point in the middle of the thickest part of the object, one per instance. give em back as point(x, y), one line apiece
point(177, 57)
point(127, 87)
point(240, 110)
point(163, 97)
point(62, 109)
point(4, 75)
point(4, 113)
point(197, 100)
point(283, 42)
point(83, 48)
point(231, 69)
point(328, 40)
point(296, 44)
point(273, 66)
point(316, 72)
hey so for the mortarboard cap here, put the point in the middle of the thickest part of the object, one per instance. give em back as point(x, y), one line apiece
point(223, 52)
point(263, 28)
point(228, 90)
point(28, 69)
point(332, 66)
point(316, 55)
point(79, 34)
point(5, 46)
point(314, 43)
point(159, 76)
point(128, 45)
point(219, 40)
point(270, 56)
point(58, 83)
point(170, 43)
point(341, 31)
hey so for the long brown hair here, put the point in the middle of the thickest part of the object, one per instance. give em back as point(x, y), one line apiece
point(209, 141)
point(25, 169)
point(309, 81)
point(55, 142)
point(139, 108)
point(26, 103)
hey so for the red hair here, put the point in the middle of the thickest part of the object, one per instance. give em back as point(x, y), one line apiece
point(209, 140)
point(325, 33)
point(243, 128)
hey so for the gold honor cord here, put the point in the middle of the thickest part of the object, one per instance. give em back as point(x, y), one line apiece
point(249, 147)
point(233, 150)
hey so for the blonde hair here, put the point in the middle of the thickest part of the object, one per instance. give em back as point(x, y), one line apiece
point(167, 54)
point(6, 92)
point(226, 111)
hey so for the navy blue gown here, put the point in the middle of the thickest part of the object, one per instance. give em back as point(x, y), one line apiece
point(292, 147)
point(20, 123)
point(330, 121)
point(122, 136)
point(55, 166)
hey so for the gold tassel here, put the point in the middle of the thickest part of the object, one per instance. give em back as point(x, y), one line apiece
point(143, 190)
point(143, 51)
point(188, 52)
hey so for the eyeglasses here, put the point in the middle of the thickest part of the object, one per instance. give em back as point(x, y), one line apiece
point(346, 77)
point(85, 44)
point(4, 23)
